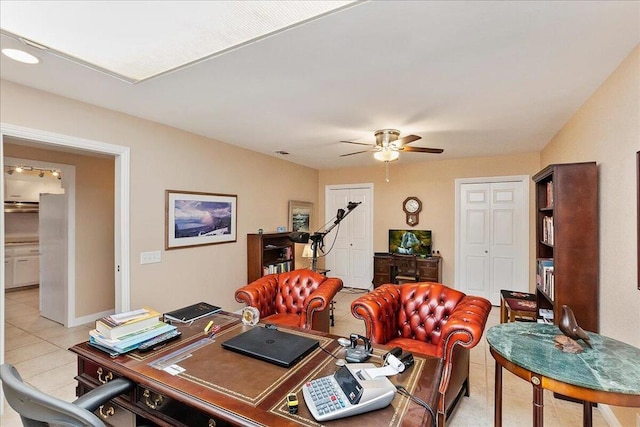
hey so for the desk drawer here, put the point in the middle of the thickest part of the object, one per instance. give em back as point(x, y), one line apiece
point(95, 373)
point(115, 415)
point(173, 411)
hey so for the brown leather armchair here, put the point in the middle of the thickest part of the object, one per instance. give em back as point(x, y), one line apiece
point(296, 298)
point(428, 318)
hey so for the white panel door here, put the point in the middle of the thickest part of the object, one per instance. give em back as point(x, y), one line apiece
point(350, 244)
point(492, 239)
point(53, 256)
point(474, 226)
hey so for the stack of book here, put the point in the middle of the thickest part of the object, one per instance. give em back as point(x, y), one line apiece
point(123, 332)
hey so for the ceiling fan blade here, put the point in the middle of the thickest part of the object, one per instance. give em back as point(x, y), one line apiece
point(357, 143)
point(406, 140)
point(422, 150)
point(357, 152)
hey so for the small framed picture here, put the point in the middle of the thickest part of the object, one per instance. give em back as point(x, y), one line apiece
point(196, 219)
point(300, 215)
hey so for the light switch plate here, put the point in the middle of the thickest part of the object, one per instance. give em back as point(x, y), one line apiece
point(150, 257)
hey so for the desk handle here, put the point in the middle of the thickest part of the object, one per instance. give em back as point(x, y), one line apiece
point(152, 403)
point(212, 422)
point(109, 413)
point(107, 377)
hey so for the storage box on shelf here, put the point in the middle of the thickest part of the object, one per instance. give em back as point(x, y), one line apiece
point(567, 242)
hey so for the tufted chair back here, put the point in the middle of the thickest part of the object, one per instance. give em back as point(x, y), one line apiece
point(296, 298)
point(424, 311)
point(294, 289)
point(428, 318)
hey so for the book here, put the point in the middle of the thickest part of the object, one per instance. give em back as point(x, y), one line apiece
point(191, 313)
point(131, 340)
point(122, 325)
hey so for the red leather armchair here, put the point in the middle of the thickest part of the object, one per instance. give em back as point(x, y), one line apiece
point(296, 298)
point(432, 319)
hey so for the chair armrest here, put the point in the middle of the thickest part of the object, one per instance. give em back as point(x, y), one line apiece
point(379, 310)
point(260, 294)
point(102, 394)
point(464, 327)
point(320, 299)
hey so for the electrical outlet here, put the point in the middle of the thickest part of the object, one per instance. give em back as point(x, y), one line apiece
point(149, 257)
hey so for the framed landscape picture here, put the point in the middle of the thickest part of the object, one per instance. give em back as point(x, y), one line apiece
point(300, 215)
point(196, 219)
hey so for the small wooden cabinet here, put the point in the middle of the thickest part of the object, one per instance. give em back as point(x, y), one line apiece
point(429, 269)
point(269, 253)
point(567, 242)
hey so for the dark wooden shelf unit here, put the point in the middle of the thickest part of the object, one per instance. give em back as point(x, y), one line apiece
point(567, 196)
point(269, 250)
point(429, 269)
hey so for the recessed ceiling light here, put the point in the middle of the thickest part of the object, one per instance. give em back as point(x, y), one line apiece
point(20, 56)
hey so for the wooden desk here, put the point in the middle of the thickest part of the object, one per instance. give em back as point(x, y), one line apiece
point(429, 269)
point(607, 373)
point(221, 388)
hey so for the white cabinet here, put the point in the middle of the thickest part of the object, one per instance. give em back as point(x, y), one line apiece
point(8, 268)
point(22, 266)
point(28, 188)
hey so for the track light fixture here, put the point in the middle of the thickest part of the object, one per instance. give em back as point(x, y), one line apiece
point(41, 172)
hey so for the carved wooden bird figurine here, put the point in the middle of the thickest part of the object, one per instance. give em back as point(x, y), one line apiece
point(569, 326)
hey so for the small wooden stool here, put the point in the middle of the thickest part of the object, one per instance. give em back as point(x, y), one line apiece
point(517, 304)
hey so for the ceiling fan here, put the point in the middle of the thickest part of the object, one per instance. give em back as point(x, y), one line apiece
point(389, 144)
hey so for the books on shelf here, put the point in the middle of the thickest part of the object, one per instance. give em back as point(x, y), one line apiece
point(545, 277)
point(191, 312)
point(280, 267)
point(547, 230)
point(549, 194)
point(546, 315)
point(120, 324)
point(132, 340)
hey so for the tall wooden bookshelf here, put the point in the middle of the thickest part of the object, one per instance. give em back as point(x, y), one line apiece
point(567, 241)
point(269, 253)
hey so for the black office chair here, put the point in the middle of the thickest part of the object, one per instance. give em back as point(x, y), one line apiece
point(38, 409)
point(404, 268)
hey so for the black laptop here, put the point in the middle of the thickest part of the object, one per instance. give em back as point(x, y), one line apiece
point(271, 345)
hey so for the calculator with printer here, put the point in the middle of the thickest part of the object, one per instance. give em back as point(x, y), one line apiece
point(350, 391)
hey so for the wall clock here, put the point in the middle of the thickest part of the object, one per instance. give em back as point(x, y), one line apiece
point(412, 207)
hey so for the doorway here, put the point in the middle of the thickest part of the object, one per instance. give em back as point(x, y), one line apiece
point(492, 235)
point(121, 157)
point(350, 249)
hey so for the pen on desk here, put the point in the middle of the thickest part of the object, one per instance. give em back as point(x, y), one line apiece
point(209, 325)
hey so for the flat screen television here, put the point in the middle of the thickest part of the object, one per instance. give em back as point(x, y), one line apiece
point(416, 242)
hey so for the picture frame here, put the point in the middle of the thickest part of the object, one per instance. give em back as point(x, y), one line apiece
point(300, 215)
point(196, 219)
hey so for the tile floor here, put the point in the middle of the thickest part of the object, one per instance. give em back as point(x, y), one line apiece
point(38, 349)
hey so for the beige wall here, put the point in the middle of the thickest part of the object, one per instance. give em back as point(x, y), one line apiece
point(94, 224)
point(433, 182)
point(607, 129)
point(167, 158)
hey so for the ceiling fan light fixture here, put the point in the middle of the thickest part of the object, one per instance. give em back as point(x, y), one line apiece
point(386, 155)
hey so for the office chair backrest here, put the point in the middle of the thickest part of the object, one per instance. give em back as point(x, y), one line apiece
point(39, 409)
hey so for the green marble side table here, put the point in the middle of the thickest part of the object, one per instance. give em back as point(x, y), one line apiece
point(608, 373)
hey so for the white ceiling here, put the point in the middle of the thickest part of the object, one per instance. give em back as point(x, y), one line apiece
point(474, 78)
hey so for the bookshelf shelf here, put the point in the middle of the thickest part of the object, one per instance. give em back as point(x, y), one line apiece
point(269, 253)
point(567, 236)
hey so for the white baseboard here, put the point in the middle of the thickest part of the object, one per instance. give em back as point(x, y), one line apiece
point(90, 318)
